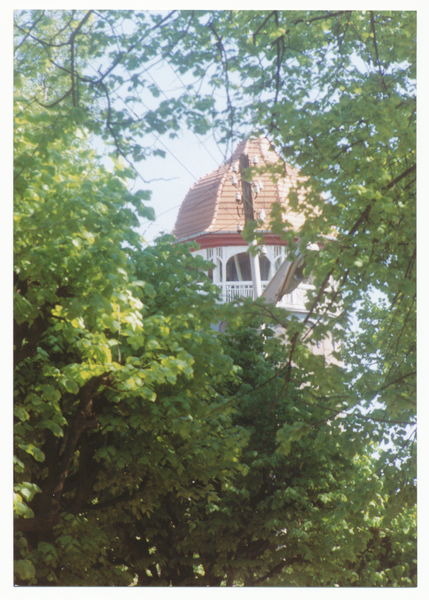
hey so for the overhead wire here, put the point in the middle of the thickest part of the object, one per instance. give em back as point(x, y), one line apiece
point(195, 135)
point(157, 139)
point(185, 87)
point(146, 69)
point(215, 183)
point(201, 142)
point(152, 133)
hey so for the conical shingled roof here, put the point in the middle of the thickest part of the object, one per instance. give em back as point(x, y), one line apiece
point(210, 204)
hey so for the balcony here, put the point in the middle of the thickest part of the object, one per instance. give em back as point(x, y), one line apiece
point(244, 289)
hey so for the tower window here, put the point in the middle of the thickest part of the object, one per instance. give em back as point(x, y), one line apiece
point(238, 268)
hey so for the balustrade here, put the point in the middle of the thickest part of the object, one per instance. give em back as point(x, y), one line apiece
point(244, 289)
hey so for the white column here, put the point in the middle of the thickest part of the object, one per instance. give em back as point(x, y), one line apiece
point(256, 274)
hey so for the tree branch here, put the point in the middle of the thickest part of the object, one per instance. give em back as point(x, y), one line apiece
point(49, 505)
point(376, 50)
point(224, 62)
point(27, 337)
point(28, 33)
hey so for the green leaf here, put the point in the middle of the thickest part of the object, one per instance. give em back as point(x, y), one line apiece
point(33, 450)
point(24, 569)
point(71, 386)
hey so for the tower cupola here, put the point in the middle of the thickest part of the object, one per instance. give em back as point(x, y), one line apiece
point(214, 212)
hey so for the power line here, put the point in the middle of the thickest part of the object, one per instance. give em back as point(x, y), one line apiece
point(200, 141)
point(129, 108)
point(155, 136)
point(185, 88)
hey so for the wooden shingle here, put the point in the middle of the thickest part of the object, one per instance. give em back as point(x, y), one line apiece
point(210, 205)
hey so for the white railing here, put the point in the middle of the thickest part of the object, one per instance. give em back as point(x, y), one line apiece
point(234, 290)
point(244, 289)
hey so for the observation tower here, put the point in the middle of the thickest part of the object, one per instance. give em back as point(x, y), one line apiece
point(213, 214)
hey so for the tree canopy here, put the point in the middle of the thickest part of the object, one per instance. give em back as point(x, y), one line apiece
point(151, 450)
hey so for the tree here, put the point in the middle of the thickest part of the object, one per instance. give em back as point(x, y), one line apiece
point(336, 92)
point(149, 449)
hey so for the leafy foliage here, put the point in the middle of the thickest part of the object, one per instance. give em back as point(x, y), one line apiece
point(150, 450)
point(335, 91)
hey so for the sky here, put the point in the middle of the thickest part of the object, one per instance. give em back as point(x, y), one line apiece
point(188, 157)
point(187, 160)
